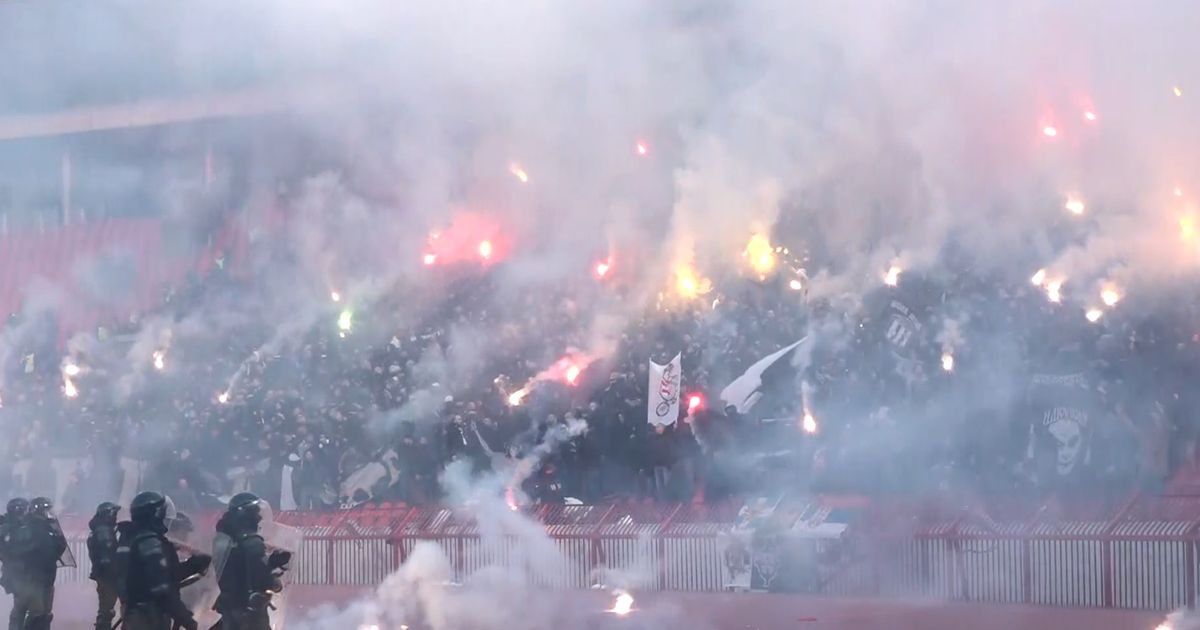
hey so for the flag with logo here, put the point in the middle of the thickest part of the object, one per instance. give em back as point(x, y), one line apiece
point(662, 401)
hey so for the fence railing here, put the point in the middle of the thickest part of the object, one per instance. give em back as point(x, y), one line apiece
point(1143, 556)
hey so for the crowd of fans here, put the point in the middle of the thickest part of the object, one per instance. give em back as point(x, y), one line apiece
point(1037, 400)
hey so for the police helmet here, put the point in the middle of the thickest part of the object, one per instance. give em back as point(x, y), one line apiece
point(17, 507)
point(41, 506)
point(108, 510)
point(150, 508)
point(245, 508)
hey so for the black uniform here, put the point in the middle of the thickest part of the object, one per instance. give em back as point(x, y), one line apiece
point(248, 575)
point(37, 545)
point(9, 524)
point(150, 585)
point(102, 550)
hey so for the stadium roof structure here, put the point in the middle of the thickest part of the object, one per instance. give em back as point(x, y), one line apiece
point(73, 67)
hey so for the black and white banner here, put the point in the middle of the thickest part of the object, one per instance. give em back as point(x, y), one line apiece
point(662, 400)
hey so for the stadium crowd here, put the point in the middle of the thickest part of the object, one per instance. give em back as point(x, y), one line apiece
point(1035, 399)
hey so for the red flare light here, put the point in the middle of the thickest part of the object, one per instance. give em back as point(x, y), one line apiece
point(430, 259)
point(572, 374)
point(641, 149)
point(1050, 131)
point(1089, 116)
point(485, 250)
point(602, 268)
point(695, 401)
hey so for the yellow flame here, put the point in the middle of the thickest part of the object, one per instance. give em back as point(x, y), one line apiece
point(1094, 314)
point(1038, 277)
point(1187, 227)
point(948, 361)
point(688, 284)
point(892, 277)
point(516, 397)
point(622, 604)
point(519, 173)
point(809, 423)
point(761, 254)
point(1110, 296)
point(1177, 90)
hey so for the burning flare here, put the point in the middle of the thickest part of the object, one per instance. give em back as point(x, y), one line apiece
point(1110, 296)
point(1054, 291)
point(1038, 278)
point(688, 284)
point(70, 369)
point(485, 249)
point(1187, 227)
point(223, 397)
point(602, 268)
point(1049, 131)
point(69, 389)
point(948, 361)
point(1089, 116)
point(1074, 205)
point(516, 397)
point(809, 423)
point(572, 374)
point(335, 296)
point(892, 277)
point(622, 603)
point(159, 359)
point(345, 320)
point(519, 173)
point(761, 254)
point(1094, 314)
point(641, 149)
point(429, 259)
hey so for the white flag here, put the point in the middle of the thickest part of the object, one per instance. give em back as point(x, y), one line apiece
point(747, 389)
point(662, 401)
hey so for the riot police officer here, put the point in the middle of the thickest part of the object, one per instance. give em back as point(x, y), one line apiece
point(102, 549)
point(247, 576)
point(151, 583)
point(12, 519)
point(38, 546)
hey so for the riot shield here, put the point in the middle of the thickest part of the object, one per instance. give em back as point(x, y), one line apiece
point(222, 546)
point(67, 558)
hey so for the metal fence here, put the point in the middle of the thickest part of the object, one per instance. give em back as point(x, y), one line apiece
point(1125, 561)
